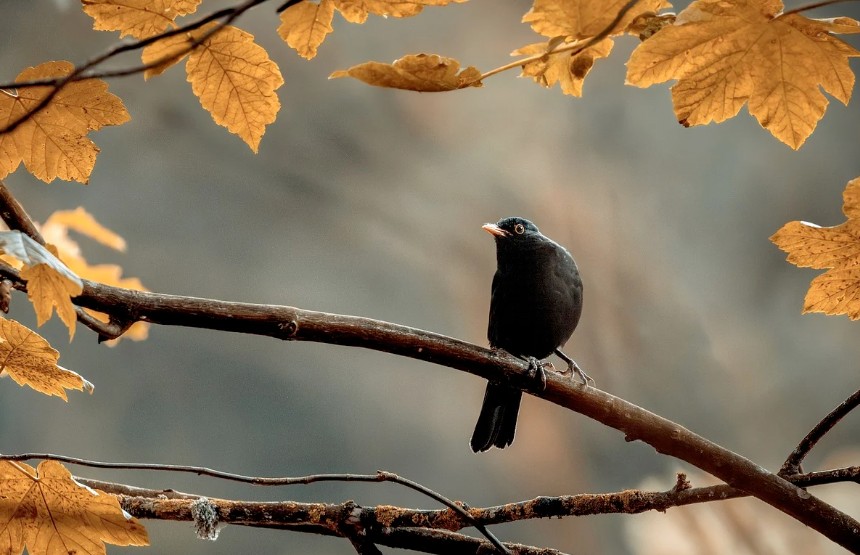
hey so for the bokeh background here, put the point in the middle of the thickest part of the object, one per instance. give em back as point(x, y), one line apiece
point(369, 201)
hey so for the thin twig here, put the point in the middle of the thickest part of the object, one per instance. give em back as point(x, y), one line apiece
point(380, 476)
point(813, 6)
point(583, 504)
point(78, 73)
point(574, 48)
point(792, 464)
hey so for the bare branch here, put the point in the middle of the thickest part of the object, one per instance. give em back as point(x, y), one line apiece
point(793, 462)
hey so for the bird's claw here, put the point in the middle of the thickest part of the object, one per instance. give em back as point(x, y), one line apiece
point(537, 372)
point(573, 368)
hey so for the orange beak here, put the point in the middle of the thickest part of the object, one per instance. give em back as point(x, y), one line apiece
point(493, 229)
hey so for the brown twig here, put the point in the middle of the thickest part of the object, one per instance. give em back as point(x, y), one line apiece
point(585, 504)
point(792, 464)
point(813, 6)
point(380, 476)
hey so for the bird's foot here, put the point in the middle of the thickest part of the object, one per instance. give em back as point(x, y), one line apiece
point(573, 368)
point(537, 372)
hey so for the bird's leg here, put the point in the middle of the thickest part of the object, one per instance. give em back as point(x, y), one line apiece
point(537, 372)
point(573, 368)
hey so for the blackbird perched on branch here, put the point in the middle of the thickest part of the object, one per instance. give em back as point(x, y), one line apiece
point(535, 305)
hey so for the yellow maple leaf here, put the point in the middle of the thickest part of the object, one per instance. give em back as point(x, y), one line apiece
point(560, 67)
point(47, 289)
point(728, 53)
point(53, 143)
point(583, 19)
point(83, 222)
point(230, 74)
point(56, 231)
point(305, 25)
point(29, 360)
point(47, 511)
point(837, 291)
point(356, 11)
point(415, 72)
point(138, 18)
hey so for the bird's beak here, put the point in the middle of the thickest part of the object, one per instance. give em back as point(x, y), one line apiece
point(493, 229)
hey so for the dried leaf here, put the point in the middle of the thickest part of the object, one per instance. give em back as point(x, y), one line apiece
point(168, 52)
point(560, 67)
point(356, 11)
point(583, 19)
point(56, 231)
point(421, 72)
point(138, 18)
point(47, 511)
point(83, 222)
point(47, 289)
point(725, 54)
point(305, 25)
point(231, 75)
point(53, 143)
point(837, 291)
point(30, 360)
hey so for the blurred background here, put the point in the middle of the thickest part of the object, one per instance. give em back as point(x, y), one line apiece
point(368, 201)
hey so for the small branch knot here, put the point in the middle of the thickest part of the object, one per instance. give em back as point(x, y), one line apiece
point(289, 328)
point(681, 483)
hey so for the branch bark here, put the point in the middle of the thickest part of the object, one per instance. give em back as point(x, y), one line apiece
point(295, 324)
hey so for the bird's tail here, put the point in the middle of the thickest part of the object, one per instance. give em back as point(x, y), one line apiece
point(498, 420)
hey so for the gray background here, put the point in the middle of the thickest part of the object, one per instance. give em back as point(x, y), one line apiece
point(368, 201)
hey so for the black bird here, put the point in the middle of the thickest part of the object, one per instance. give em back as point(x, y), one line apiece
point(535, 305)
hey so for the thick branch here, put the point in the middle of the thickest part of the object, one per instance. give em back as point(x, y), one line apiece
point(636, 423)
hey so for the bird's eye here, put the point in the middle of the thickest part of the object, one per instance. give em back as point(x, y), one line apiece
point(519, 229)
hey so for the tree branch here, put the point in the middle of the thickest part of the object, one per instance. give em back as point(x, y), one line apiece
point(794, 460)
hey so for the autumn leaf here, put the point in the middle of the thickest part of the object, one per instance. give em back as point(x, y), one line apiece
point(415, 72)
point(356, 11)
point(56, 231)
point(138, 18)
point(50, 283)
point(48, 512)
point(29, 360)
point(568, 24)
point(729, 53)
point(231, 75)
point(561, 67)
point(305, 25)
point(837, 249)
point(83, 222)
point(53, 143)
point(583, 19)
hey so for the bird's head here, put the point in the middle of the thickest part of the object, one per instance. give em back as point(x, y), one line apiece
point(514, 229)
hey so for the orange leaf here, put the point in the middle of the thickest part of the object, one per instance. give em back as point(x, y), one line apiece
point(56, 231)
point(231, 75)
point(725, 54)
point(837, 291)
point(415, 72)
point(356, 11)
point(47, 289)
point(48, 512)
point(305, 25)
point(138, 18)
point(29, 360)
point(53, 143)
point(560, 67)
point(83, 222)
point(583, 19)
